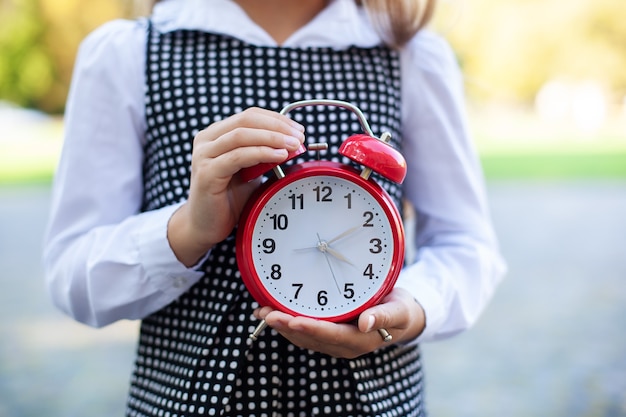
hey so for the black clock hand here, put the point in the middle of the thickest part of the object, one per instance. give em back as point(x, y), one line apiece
point(332, 272)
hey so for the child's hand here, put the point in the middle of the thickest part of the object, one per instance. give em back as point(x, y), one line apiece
point(399, 313)
point(216, 194)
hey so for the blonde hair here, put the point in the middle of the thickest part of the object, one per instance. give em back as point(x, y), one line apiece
point(397, 21)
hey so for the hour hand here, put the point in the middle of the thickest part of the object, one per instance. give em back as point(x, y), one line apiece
point(332, 252)
point(323, 246)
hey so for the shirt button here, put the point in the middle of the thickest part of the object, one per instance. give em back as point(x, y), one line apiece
point(180, 282)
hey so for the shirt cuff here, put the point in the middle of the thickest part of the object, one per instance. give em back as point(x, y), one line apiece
point(163, 271)
point(425, 293)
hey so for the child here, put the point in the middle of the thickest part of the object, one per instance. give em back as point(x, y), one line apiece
point(162, 115)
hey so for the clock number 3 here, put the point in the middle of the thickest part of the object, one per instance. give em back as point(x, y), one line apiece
point(377, 246)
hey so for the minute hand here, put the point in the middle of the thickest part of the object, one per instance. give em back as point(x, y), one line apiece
point(334, 253)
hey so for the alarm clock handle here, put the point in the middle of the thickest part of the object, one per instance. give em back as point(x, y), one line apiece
point(248, 174)
point(375, 154)
point(336, 103)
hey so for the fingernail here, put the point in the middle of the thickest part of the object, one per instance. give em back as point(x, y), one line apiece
point(371, 320)
point(297, 126)
point(281, 153)
point(278, 326)
point(296, 327)
point(292, 142)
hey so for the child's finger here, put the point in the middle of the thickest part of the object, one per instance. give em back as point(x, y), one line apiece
point(228, 131)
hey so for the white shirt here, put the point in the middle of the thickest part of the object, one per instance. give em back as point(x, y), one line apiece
point(106, 261)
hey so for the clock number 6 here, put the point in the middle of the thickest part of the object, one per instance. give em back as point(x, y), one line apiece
point(322, 298)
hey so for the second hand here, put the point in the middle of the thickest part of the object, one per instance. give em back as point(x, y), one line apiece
point(322, 248)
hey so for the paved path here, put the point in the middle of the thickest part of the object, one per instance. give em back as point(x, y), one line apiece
point(552, 342)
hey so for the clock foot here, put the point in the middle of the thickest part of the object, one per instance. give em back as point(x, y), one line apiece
point(257, 332)
point(385, 335)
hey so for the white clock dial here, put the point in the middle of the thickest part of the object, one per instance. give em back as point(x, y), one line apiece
point(322, 246)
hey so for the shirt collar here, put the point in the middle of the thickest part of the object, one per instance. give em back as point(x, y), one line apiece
point(340, 25)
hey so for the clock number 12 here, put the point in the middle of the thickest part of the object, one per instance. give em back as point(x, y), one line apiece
point(323, 194)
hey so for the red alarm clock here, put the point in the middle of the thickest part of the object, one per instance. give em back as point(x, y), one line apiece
point(322, 239)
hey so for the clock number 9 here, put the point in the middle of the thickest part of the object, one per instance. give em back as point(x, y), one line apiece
point(269, 246)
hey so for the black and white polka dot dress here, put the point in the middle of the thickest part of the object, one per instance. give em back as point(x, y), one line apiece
point(194, 357)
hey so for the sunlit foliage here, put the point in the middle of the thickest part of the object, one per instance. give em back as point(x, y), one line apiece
point(508, 48)
point(38, 42)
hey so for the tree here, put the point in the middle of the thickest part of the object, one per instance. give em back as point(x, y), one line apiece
point(38, 43)
point(509, 49)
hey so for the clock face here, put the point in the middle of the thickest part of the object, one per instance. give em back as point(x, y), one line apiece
point(324, 245)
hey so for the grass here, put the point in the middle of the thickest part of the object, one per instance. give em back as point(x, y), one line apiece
point(510, 147)
point(32, 163)
point(518, 144)
point(555, 165)
point(31, 154)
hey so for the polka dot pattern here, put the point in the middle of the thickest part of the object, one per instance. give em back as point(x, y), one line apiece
point(194, 357)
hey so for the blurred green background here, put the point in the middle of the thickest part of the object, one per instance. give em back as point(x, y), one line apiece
point(546, 88)
point(545, 80)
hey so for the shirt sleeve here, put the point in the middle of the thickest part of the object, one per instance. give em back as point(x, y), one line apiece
point(103, 259)
point(457, 264)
